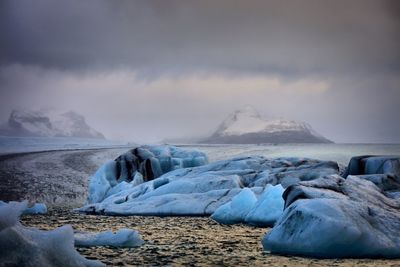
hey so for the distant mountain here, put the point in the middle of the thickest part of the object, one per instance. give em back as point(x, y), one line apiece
point(246, 126)
point(48, 123)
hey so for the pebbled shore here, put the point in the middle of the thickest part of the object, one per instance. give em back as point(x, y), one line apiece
point(184, 241)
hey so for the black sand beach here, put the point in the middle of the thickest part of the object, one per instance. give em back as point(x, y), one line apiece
point(184, 241)
point(60, 178)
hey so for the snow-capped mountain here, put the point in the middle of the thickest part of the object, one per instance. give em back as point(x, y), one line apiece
point(246, 126)
point(48, 123)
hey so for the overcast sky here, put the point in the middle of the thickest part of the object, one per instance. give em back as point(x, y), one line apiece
point(146, 70)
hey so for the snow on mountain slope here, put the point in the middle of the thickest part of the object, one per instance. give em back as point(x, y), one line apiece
point(247, 126)
point(243, 121)
point(48, 123)
point(248, 120)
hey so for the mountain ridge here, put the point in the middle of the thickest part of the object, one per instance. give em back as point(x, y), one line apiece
point(48, 123)
point(247, 126)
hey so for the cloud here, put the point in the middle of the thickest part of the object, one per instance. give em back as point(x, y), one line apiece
point(157, 37)
point(124, 106)
point(150, 69)
point(190, 105)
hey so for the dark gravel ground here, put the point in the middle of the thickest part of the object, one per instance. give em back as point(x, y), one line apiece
point(183, 241)
point(57, 178)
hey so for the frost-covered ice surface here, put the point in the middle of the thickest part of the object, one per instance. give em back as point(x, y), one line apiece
point(25, 246)
point(124, 238)
point(36, 208)
point(201, 190)
point(31, 144)
point(246, 208)
point(138, 165)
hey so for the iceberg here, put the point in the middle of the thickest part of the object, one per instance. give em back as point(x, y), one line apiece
point(334, 217)
point(200, 190)
point(364, 165)
point(138, 165)
point(123, 238)
point(27, 246)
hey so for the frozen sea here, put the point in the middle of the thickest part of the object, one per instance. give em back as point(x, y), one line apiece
point(10, 145)
point(336, 152)
point(340, 153)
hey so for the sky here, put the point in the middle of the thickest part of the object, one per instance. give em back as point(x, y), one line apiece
point(146, 70)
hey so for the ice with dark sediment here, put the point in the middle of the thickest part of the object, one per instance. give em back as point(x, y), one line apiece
point(139, 165)
point(365, 165)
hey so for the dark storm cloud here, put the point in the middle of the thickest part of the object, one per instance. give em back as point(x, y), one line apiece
point(283, 37)
point(180, 66)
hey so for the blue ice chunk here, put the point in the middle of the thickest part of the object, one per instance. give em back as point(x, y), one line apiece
point(269, 207)
point(102, 181)
point(37, 208)
point(236, 210)
point(123, 238)
point(28, 246)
